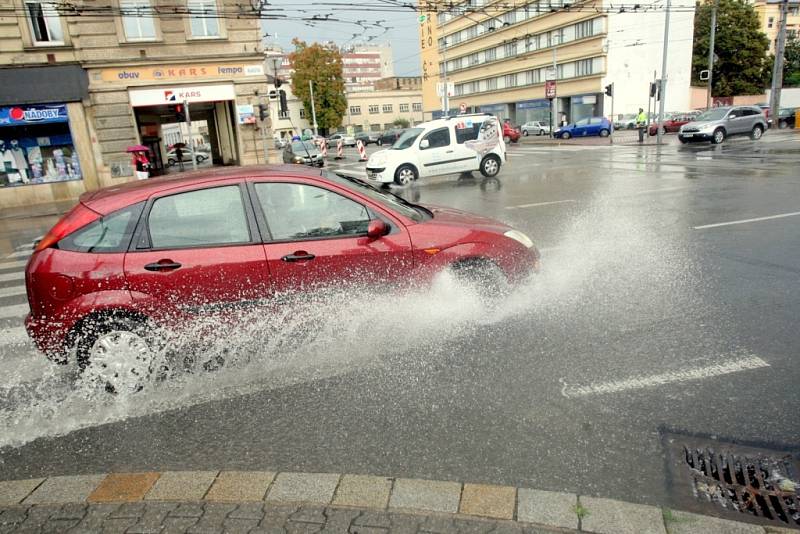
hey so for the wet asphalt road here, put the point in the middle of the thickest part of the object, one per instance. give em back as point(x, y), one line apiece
point(540, 392)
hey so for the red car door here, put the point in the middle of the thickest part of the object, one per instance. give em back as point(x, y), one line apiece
point(197, 251)
point(317, 237)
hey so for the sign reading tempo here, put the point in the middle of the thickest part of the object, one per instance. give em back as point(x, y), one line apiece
point(173, 73)
point(178, 95)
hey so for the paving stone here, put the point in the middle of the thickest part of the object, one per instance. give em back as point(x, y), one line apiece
point(218, 509)
point(438, 524)
point(309, 514)
point(128, 509)
point(64, 489)
point(187, 510)
point(339, 519)
point(369, 530)
point(268, 530)
point(366, 491)
point(239, 526)
point(370, 518)
point(181, 486)
point(145, 527)
point(58, 526)
point(686, 523)
point(302, 528)
point(508, 528)
point(240, 486)
point(607, 516)
point(67, 511)
point(175, 525)
point(550, 508)
point(13, 491)
point(303, 487)
point(248, 510)
point(277, 515)
point(496, 502)
point(431, 495)
point(123, 487)
point(471, 526)
point(117, 525)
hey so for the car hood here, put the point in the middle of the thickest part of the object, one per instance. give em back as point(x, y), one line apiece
point(454, 217)
point(697, 124)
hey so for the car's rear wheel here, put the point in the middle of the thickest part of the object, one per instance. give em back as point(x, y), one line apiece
point(566, 135)
point(405, 174)
point(490, 166)
point(525, 133)
point(604, 133)
point(757, 132)
point(718, 137)
point(379, 142)
point(506, 139)
point(541, 132)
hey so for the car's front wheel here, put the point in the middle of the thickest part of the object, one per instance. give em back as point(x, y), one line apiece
point(490, 166)
point(566, 135)
point(506, 139)
point(525, 133)
point(718, 137)
point(405, 174)
point(603, 133)
point(757, 132)
point(541, 132)
point(379, 142)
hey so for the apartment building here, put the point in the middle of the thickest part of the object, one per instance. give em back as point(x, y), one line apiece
point(363, 65)
point(77, 87)
point(376, 111)
point(498, 55)
point(769, 14)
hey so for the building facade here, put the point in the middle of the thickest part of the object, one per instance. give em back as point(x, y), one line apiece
point(76, 91)
point(376, 111)
point(499, 56)
point(769, 14)
point(363, 65)
point(399, 83)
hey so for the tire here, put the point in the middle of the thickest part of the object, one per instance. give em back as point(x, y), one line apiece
point(718, 137)
point(782, 125)
point(107, 345)
point(506, 139)
point(682, 140)
point(541, 132)
point(525, 133)
point(483, 275)
point(757, 132)
point(490, 166)
point(405, 174)
point(603, 133)
point(170, 162)
point(566, 135)
point(379, 142)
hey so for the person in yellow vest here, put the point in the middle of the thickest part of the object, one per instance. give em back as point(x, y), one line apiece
point(641, 123)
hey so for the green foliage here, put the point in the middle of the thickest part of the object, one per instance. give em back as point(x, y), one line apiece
point(791, 62)
point(401, 122)
point(743, 66)
point(580, 511)
point(322, 65)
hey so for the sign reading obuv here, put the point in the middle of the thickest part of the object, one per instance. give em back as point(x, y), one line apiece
point(32, 114)
point(171, 73)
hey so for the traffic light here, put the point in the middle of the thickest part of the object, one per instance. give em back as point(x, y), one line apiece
point(263, 112)
point(284, 106)
point(180, 113)
point(658, 94)
point(652, 89)
point(610, 89)
point(278, 82)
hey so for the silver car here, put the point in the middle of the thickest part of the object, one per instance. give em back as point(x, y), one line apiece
point(535, 127)
point(717, 124)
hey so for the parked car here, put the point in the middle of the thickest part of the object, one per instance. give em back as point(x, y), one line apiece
point(389, 137)
point(672, 124)
point(536, 128)
point(586, 127)
point(626, 122)
point(347, 140)
point(717, 124)
point(368, 137)
point(172, 156)
point(303, 153)
point(459, 144)
point(511, 133)
point(786, 118)
point(127, 262)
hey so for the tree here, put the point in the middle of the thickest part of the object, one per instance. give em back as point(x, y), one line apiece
point(791, 61)
point(743, 66)
point(401, 122)
point(322, 65)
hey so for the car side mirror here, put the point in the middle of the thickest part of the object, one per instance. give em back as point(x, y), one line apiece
point(424, 144)
point(377, 228)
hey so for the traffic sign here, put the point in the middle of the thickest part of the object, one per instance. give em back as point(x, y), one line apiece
point(550, 89)
point(462, 107)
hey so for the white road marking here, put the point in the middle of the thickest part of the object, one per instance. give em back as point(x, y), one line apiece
point(18, 310)
point(8, 277)
point(20, 254)
point(13, 265)
point(743, 221)
point(538, 204)
point(13, 336)
point(663, 189)
point(12, 291)
point(699, 373)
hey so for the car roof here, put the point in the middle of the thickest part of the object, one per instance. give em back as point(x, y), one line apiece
point(109, 199)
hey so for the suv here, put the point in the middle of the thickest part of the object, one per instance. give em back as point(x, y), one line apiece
point(719, 123)
point(536, 127)
point(459, 144)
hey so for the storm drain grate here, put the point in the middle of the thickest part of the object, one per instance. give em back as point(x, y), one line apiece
point(758, 482)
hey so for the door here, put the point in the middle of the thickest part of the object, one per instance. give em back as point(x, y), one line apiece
point(468, 149)
point(317, 238)
point(438, 157)
point(581, 128)
point(197, 251)
point(737, 121)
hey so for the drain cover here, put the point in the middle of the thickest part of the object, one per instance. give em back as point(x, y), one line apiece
point(763, 484)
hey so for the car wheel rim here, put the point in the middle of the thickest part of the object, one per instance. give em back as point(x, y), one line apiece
point(119, 359)
point(406, 176)
point(718, 137)
point(757, 133)
point(507, 139)
point(490, 167)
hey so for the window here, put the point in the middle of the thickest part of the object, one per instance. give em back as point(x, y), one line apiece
point(302, 113)
point(403, 108)
point(212, 216)
point(474, 59)
point(204, 19)
point(509, 18)
point(532, 43)
point(770, 22)
point(355, 110)
point(582, 122)
point(472, 32)
point(532, 76)
point(283, 114)
point(455, 38)
point(137, 20)
point(468, 133)
point(456, 64)
point(583, 29)
point(596, 120)
point(794, 11)
point(112, 233)
point(490, 55)
point(416, 106)
point(491, 84)
point(374, 108)
point(511, 80)
point(297, 211)
point(387, 108)
point(441, 18)
point(510, 49)
point(438, 138)
point(45, 23)
point(583, 67)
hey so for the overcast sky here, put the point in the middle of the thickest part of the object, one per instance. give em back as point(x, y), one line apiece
point(402, 34)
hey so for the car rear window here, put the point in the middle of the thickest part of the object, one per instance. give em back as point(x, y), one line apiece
point(111, 233)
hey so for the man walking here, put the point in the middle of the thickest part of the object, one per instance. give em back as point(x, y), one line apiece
point(641, 123)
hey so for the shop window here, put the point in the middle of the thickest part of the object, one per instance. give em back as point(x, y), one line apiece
point(403, 108)
point(44, 23)
point(137, 20)
point(204, 18)
point(387, 108)
point(416, 106)
point(355, 110)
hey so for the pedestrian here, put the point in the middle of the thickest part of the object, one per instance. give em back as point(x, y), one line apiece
point(141, 165)
point(179, 156)
point(641, 123)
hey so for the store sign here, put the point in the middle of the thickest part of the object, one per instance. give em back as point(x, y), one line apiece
point(246, 113)
point(32, 114)
point(177, 95)
point(550, 89)
point(169, 73)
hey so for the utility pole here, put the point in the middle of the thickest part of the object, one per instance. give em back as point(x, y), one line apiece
point(313, 109)
point(777, 67)
point(191, 139)
point(664, 75)
point(445, 97)
point(554, 102)
point(711, 51)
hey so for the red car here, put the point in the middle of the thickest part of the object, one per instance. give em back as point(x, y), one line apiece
point(158, 252)
point(511, 133)
point(671, 124)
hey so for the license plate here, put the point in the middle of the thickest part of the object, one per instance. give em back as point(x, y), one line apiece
point(688, 135)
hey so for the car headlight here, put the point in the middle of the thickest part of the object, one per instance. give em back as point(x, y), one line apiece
point(519, 237)
point(377, 159)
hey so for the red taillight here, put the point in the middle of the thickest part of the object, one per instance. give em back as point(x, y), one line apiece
point(76, 218)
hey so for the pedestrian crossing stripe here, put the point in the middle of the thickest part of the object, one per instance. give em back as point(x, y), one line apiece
point(12, 277)
point(17, 310)
point(12, 291)
point(13, 336)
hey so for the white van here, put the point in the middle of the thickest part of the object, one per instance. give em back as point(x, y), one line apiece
point(456, 144)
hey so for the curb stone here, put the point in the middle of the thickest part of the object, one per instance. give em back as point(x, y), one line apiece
point(239, 500)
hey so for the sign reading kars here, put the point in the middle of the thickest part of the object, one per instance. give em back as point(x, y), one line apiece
point(177, 95)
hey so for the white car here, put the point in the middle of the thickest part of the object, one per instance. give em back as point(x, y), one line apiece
point(347, 140)
point(535, 128)
point(462, 143)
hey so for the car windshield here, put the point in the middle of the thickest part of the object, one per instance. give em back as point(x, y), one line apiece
point(712, 114)
point(300, 147)
point(407, 139)
point(385, 198)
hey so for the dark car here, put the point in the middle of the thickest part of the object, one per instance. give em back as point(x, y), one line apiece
point(390, 136)
point(303, 153)
point(368, 137)
point(128, 261)
point(786, 118)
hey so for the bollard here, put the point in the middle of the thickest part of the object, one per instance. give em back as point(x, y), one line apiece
point(324, 148)
point(340, 149)
point(362, 152)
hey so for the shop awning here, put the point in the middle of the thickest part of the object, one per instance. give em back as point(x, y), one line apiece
point(43, 85)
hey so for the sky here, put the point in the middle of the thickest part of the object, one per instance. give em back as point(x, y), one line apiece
point(397, 28)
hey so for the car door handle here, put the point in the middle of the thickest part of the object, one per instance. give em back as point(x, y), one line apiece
point(163, 265)
point(450, 151)
point(300, 255)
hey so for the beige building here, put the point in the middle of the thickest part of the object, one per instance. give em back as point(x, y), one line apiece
point(376, 111)
point(406, 83)
point(769, 14)
point(76, 90)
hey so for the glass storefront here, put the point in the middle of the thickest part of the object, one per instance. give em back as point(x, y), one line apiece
point(583, 107)
point(36, 146)
point(533, 110)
